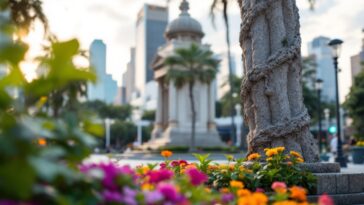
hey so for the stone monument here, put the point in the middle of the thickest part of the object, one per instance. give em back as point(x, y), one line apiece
point(173, 114)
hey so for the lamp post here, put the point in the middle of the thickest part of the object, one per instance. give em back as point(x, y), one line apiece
point(336, 48)
point(318, 86)
point(108, 123)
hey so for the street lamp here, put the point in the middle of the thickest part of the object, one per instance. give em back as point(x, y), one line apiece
point(336, 49)
point(318, 86)
point(108, 123)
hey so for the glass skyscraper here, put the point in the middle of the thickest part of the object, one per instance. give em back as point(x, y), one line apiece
point(150, 26)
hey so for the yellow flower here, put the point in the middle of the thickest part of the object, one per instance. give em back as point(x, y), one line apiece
point(145, 169)
point(207, 190)
point(271, 152)
point(223, 166)
point(243, 192)
point(300, 160)
point(253, 156)
point(147, 187)
point(269, 159)
point(296, 154)
point(280, 149)
point(166, 153)
point(236, 184)
point(298, 193)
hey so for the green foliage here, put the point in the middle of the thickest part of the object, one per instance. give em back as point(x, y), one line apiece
point(226, 101)
point(123, 133)
point(191, 65)
point(104, 110)
point(149, 115)
point(355, 105)
point(39, 154)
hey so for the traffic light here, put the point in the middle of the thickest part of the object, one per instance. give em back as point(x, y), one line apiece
point(332, 129)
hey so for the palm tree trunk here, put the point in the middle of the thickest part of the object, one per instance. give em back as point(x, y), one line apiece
point(271, 90)
point(231, 98)
point(193, 111)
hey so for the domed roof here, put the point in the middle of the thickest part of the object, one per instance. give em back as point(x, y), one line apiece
point(184, 23)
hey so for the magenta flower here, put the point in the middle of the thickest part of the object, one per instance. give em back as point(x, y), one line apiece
point(157, 176)
point(153, 197)
point(226, 198)
point(196, 177)
point(169, 192)
point(279, 185)
point(175, 163)
point(112, 196)
point(110, 173)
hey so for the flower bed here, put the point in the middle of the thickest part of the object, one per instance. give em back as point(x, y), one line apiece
point(182, 183)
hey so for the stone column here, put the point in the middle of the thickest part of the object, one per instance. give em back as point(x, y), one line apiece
point(158, 126)
point(172, 105)
point(211, 105)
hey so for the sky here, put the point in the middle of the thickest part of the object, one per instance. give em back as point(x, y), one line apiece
point(113, 21)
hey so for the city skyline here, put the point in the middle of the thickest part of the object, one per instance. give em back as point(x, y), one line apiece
point(115, 24)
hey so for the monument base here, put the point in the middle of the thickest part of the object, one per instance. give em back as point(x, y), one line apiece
point(173, 138)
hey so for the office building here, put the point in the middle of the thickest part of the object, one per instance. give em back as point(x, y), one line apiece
point(357, 61)
point(105, 89)
point(150, 26)
point(325, 68)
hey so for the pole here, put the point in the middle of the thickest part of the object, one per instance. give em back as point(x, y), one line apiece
point(319, 122)
point(139, 137)
point(340, 158)
point(107, 130)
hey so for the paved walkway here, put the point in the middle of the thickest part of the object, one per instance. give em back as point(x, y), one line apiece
point(135, 159)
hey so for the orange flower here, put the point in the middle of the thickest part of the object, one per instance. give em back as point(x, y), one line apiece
point(298, 193)
point(253, 156)
point(42, 142)
point(271, 152)
point(287, 202)
point(224, 190)
point(260, 198)
point(289, 163)
point(236, 184)
point(296, 154)
point(166, 153)
point(243, 192)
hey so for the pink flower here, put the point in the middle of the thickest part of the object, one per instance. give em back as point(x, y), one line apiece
point(160, 175)
point(279, 186)
point(325, 200)
point(260, 190)
point(196, 177)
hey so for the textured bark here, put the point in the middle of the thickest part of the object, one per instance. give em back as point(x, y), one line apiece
point(271, 89)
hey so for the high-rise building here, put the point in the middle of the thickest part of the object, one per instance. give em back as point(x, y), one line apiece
point(357, 61)
point(150, 26)
point(129, 78)
point(222, 77)
point(321, 51)
point(106, 87)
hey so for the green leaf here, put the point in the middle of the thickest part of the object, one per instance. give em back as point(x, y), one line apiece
point(16, 179)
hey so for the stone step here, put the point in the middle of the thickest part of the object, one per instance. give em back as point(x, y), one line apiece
point(340, 183)
point(342, 199)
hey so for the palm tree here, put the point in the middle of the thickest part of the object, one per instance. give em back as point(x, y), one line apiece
point(187, 67)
